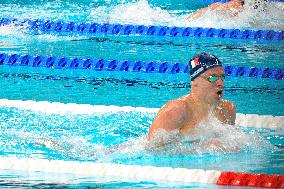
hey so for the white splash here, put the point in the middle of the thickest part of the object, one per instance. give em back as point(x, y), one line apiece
point(142, 12)
point(9, 29)
point(256, 14)
point(210, 137)
point(135, 13)
point(18, 32)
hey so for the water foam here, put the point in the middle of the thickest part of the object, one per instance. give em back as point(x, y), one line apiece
point(142, 12)
point(17, 35)
point(9, 29)
point(256, 14)
point(211, 137)
point(134, 13)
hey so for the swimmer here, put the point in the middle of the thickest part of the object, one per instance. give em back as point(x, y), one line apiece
point(206, 98)
point(234, 7)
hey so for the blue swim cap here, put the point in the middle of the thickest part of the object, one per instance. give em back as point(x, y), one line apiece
point(202, 62)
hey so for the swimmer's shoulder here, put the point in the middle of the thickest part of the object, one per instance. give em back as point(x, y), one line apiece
point(177, 105)
point(176, 110)
point(170, 117)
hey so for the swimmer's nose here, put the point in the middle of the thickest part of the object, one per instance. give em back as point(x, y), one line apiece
point(220, 82)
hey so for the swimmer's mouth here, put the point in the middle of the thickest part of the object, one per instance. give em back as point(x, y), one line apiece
point(220, 92)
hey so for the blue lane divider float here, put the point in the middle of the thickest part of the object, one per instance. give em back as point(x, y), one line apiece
point(130, 66)
point(48, 26)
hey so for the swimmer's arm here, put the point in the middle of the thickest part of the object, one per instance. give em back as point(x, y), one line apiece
point(170, 117)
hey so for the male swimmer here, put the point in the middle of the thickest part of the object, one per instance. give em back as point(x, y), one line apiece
point(232, 7)
point(205, 99)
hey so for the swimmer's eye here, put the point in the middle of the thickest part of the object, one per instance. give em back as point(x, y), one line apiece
point(214, 78)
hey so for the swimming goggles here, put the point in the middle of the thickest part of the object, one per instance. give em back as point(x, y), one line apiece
point(214, 78)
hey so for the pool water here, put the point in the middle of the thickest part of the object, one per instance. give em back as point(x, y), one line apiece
point(97, 137)
point(152, 12)
point(265, 96)
point(94, 138)
point(91, 137)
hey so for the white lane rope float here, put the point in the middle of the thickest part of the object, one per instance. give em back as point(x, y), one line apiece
point(245, 120)
point(138, 173)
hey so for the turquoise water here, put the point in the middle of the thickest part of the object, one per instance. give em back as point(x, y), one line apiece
point(89, 137)
point(231, 52)
point(265, 96)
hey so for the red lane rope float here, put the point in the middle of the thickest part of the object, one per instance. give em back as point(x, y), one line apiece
point(251, 180)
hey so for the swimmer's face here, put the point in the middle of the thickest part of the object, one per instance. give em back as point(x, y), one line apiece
point(211, 84)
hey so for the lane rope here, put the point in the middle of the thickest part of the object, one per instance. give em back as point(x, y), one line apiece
point(131, 66)
point(37, 26)
point(143, 173)
point(244, 120)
